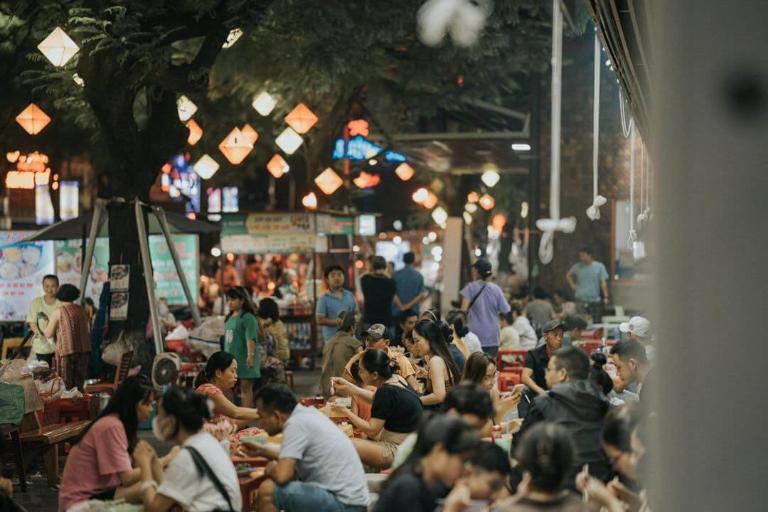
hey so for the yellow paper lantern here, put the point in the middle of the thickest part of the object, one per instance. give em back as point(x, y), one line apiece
point(33, 119)
point(430, 202)
point(404, 171)
point(249, 133)
point(58, 47)
point(309, 201)
point(235, 146)
point(301, 119)
point(277, 166)
point(206, 167)
point(289, 141)
point(328, 181)
point(195, 132)
point(186, 108)
point(487, 202)
point(264, 103)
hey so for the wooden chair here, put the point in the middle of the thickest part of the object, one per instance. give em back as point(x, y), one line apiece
point(120, 374)
point(11, 343)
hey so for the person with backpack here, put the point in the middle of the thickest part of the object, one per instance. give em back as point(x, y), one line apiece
point(201, 478)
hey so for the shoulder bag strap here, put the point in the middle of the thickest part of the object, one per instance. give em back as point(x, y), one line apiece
point(476, 296)
point(204, 469)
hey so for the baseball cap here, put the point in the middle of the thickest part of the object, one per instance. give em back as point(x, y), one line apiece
point(637, 325)
point(552, 325)
point(376, 331)
point(483, 266)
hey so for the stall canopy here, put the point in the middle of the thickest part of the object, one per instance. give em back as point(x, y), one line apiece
point(76, 228)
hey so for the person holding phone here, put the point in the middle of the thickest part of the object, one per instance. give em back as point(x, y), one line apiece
point(40, 311)
point(481, 369)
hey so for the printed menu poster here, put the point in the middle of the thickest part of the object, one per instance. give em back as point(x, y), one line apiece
point(22, 267)
point(119, 276)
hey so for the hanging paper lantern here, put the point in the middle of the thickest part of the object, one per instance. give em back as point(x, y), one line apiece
point(328, 181)
point(195, 132)
point(473, 197)
point(264, 104)
point(366, 180)
point(289, 141)
point(309, 201)
point(430, 202)
point(404, 171)
point(487, 202)
point(498, 222)
point(439, 215)
point(249, 133)
point(33, 119)
point(186, 108)
point(232, 38)
point(490, 178)
point(58, 47)
point(301, 119)
point(206, 167)
point(420, 195)
point(235, 146)
point(358, 127)
point(277, 166)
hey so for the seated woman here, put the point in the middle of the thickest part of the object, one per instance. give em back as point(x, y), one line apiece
point(220, 376)
point(395, 411)
point(273, 343)
point(442, 371)
point(201, 477)
point(99, 463)
point(463, 338)
point(481, 369)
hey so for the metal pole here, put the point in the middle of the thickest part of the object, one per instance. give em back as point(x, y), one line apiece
point(160, 214)
point(96, 222)
point(149, 279)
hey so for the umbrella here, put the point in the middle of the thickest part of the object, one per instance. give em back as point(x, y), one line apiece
point(78, 227)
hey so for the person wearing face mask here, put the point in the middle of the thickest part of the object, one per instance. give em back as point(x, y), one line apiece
point(201, 477)
point(443, 446)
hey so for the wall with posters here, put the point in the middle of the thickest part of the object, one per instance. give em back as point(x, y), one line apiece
point(22, 267)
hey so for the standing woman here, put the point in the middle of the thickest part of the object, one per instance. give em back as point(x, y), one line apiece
point(241, 339)
point(442, 371)
point(395, 412)
point(72, 329)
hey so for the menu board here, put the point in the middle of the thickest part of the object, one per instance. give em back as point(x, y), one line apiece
point(22, 267)
point(168, 283)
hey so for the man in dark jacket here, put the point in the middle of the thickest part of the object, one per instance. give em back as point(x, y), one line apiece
point(577, 404)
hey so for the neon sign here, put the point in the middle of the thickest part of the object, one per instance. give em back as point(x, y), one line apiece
point(360, 148)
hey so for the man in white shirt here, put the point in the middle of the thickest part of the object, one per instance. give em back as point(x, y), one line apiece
point(316, 469)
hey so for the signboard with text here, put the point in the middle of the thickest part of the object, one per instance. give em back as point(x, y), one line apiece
point(22, 267)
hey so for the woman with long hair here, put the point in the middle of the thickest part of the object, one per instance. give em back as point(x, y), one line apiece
point(241, 339)
point(201, 477)
point(99, 463)
point(463, 338)
point(395, 411)
point(218, 378)
point(444, 444)
point(481, 369)
point(442, 371)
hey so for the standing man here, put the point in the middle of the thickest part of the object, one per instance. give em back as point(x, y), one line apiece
point(379, 292)
point(335, 300)
point(410, 284)
point(483, 301)
point(40, 311)
point(588, 278)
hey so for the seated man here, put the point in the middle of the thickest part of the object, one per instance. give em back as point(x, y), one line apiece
point(632, 366)
point(316, 468)
point(576, 403)
point(406, 321)
point(374, 339)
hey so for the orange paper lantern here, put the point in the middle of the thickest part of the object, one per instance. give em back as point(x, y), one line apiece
point(235, 146)
point(366, 180)
point(404, 171)
point(430, 202)
point(358, 127)
point(195, 132)
point(487, 202)
point(499, 221)
point(301, 119)
point(473, 197)
point(249, 133)
point(420, 195)
point(277, 166)
point(33, 119)
point(328, 181)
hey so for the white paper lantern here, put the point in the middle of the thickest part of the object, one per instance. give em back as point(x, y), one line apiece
point(232, 38)
point(58, 47)
point(206, 167)
point(439, 215)
point(289, 141)
point(186, 108)
point(490, 178)
point(264, 104)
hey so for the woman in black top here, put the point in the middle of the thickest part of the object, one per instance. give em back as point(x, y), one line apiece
point(395, 412)
point(437, 461)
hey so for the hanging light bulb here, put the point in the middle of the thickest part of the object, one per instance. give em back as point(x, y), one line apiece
point(301, 119)
point(328, 181)
point(289, 141)
point(33, 119)
point(58, 47)
point(404, 171)
point(309, 201)
point(206, 167)
point(439, 215)
point(487, 202)
point(524, 210)
point(186, 108)
point(277, 166)
point(195, 132)
point(264, 104)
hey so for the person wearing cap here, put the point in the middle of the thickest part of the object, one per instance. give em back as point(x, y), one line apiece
point(483, 302)
point(536, 360)
point(338, 350)
point(588, 278)
point(639, 329)
point(375, 339)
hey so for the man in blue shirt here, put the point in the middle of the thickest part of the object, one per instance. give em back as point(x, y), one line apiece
point(335, 300)
point(588, 278)
point(410, 284)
